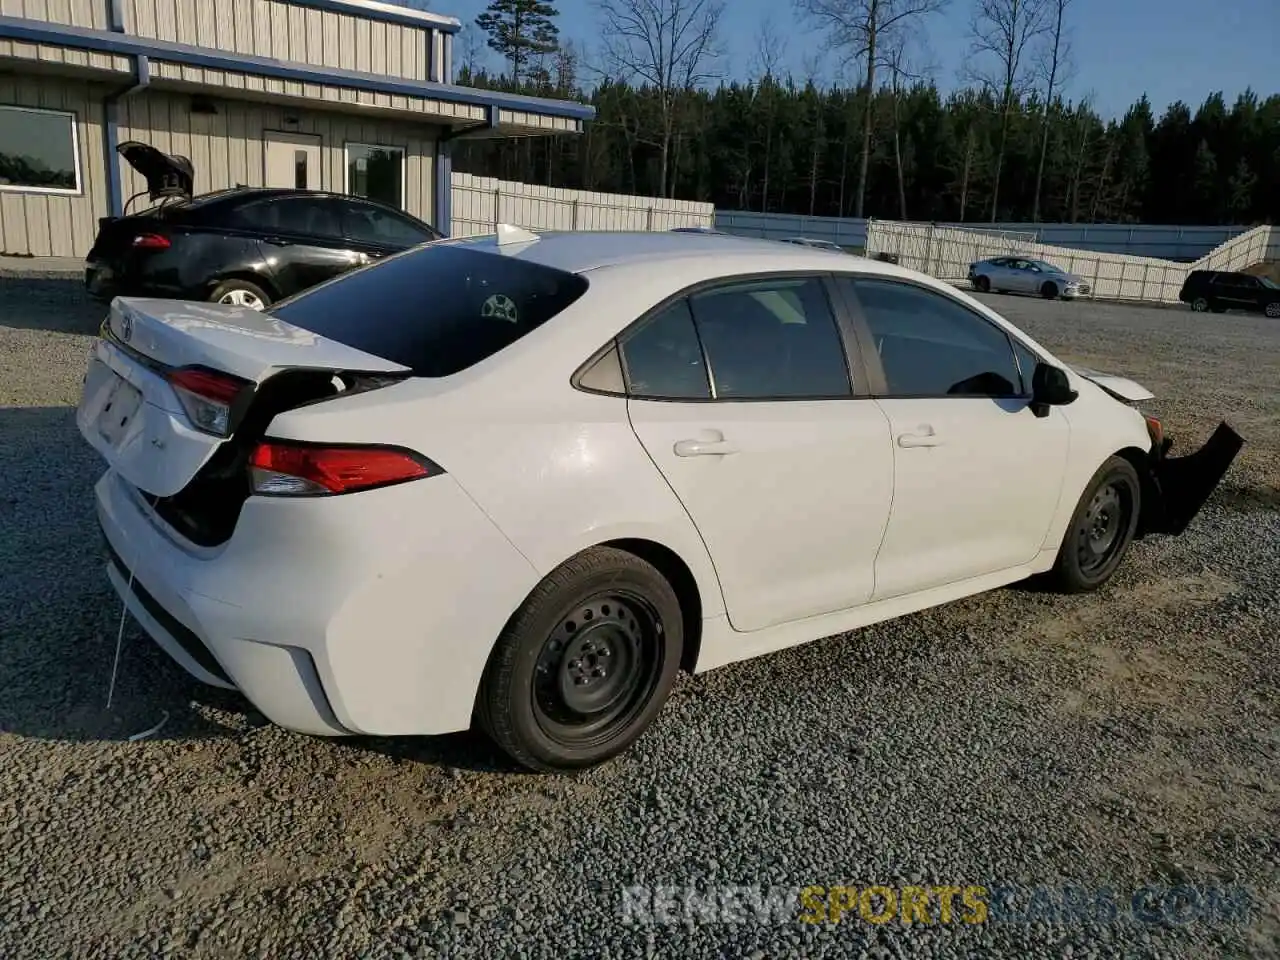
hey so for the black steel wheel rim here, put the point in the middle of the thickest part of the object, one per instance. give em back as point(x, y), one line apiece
point(598, 669)
point(1103, 528)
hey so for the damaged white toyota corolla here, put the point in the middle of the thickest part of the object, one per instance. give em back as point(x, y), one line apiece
point(522, 480)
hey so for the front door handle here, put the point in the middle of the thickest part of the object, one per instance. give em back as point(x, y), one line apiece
point(926, 437)
point(703, 448)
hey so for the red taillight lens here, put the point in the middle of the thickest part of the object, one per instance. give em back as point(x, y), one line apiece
point(208, 397)
point(151, 241)
point(304, 470)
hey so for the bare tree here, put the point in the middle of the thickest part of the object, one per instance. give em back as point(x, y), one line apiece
point(862, 30)
point(1054, 65)
point(769, 52)
point(669, 45)
point(1002, 33)
point(470, 49)
point(897, 60)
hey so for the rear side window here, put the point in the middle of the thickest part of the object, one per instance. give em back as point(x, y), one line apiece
point(436, 310)
point(664, 359)
point(302, 216)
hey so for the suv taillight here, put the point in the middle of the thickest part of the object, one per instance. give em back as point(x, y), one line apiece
point(286, 469)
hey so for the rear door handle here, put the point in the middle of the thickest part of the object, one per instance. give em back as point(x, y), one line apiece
point(703, 448)
point(926, 437)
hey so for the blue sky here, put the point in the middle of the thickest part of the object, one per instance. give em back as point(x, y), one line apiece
point(1170, 49)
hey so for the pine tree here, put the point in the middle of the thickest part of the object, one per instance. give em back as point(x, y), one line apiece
point(520, 30)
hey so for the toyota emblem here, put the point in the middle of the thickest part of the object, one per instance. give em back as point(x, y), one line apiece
point(126, 326)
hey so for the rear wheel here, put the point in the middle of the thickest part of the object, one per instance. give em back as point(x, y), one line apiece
point(1049, 290)
point(982, 285)
point(1200, 305)
point(585, 664)
point(1272, 310)
point(240, 293)
point(1101, 529)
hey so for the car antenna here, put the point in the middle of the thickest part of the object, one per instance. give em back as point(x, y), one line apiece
point(507, 234)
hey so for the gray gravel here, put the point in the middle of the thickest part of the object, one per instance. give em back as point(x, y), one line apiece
point(1118, 740)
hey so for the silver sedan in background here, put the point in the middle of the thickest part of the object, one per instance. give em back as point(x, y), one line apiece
point(1025, 275)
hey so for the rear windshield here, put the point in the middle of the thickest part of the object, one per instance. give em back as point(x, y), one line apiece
point(437, 309)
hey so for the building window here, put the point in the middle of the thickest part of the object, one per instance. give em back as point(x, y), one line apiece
point(38, 151)
point(376, 173)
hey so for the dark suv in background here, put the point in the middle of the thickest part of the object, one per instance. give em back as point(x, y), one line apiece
point(243, 246)
point(1222, 290)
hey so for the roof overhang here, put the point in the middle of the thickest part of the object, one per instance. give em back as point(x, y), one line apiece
point(464, 111)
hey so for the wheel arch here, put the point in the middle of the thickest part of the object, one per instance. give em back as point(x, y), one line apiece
point(677, 573)
point(1147, 491)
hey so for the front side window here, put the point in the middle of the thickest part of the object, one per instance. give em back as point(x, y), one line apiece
point(38, 151)
point(772, 339)
point(931, 346)
point(376, 173)
point(436, 309)
point(365, 223)
point(664, 359)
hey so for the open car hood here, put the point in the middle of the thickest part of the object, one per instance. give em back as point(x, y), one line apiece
point(166, 176)
point(1122, 388)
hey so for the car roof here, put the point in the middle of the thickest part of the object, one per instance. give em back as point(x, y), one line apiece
point(583, 251)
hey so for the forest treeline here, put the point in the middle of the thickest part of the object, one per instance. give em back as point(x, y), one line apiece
point(779, 145)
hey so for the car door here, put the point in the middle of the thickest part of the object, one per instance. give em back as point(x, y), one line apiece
point(1022, 276)
point(977, 474)
point(741, 394)
point(1245, 291)
point(301, 239)
point(375, 230)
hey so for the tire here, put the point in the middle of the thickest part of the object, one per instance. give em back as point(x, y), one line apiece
point(982, 284)
point(240, 293)
point(1200, 305)
point(541, 699)
point(1049, 290)
point(1272, 310)
point(1101, 529)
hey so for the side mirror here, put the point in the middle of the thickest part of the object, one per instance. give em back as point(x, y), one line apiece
point(1050, 387)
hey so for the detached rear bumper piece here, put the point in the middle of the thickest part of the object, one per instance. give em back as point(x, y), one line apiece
point(1177, 487)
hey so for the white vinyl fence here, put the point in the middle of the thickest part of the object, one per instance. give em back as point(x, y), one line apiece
point(946, 252)
point(480, 203)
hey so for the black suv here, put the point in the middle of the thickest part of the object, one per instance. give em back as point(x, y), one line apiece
point(244, 246)
point(1222, 290)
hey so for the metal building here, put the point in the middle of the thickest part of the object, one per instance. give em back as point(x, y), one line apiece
point(345, 95)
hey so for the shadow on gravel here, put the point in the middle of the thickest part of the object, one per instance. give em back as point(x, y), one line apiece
point(59, 619)
point(56, 304)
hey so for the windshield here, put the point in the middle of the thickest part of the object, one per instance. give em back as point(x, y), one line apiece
point(1268, 282)
point(1046, 266)
point(436, 309)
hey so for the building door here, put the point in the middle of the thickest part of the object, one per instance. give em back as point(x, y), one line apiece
point(292, 161)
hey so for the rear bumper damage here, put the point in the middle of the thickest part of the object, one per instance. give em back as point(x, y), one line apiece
point(1175, 488)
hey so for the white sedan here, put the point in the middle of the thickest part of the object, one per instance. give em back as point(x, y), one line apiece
point(523, 480)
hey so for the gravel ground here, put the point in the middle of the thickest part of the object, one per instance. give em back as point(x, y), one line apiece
point(1017, 738)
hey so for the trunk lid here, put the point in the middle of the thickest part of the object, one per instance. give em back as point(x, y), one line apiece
point(130, 411)
point(166, 176)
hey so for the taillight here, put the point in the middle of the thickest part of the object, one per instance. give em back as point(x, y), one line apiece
point(284, 469)
point(208, 397)
point(151, 241)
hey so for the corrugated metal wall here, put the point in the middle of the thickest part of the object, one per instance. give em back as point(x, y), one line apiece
point(57, 225)
point(78, 13)
point(228, 147)
point(284, 31)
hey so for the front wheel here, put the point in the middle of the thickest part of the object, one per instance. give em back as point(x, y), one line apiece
point(1101, 529)
point(1272, 310)
point(585, 664)
point(1049, 290)
point(982, 284)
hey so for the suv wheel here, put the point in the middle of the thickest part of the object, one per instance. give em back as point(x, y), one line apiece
point(1200, 305)
point(1272, 309)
